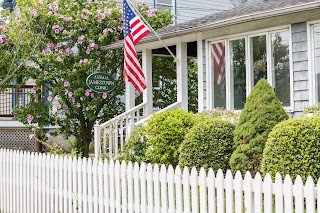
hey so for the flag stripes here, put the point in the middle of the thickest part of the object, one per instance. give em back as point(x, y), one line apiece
point(134, 30)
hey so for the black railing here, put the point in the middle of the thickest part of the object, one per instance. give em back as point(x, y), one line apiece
point(12, 97)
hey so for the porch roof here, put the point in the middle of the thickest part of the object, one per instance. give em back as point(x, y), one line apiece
point(250, 11)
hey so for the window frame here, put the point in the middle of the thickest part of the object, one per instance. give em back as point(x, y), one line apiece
point(313, 100)
point(249, 74)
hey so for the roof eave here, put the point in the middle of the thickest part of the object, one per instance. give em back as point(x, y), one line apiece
point(223, 23)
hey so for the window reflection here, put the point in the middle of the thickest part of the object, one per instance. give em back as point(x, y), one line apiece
point(258, 58)
point(281, 66)
point(219, 76)
point(238, 70)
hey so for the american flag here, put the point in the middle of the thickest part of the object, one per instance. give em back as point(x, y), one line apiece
point(218, 57)
point(134, 30)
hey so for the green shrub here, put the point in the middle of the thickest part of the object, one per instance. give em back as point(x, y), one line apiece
point(262, 111)
point(165, 133)
point(293, 148)
point(208, 144)
point(135, 147)
point(314, 109)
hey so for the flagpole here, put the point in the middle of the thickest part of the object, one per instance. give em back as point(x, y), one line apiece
point(147, 23)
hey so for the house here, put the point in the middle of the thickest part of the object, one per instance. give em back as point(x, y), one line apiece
point(14, 132)
point(274, 39)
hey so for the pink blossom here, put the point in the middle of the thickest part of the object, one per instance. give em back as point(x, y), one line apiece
point(56, 98)
point(92, 95)
point(45, 73)
point(68, 50)
point(65, 107)
point(109, 11)
point(57, 106)
point(66, 92)
point(84, 17)
point(70, 94)
point(56, 31)
point(33, 89)
point(50, 45)
point(105, 31)
point(85, 60)
point(81, 61)
point(91, 45)
point(49, 13)
point(78, 105)
point(104, 95)
point(49, 98)
point(48, 135)
point(34, 12)
point(70, 41)
point(29, 118)
point(64, 32)
point(58, 58)
point(88, 51)
point(59, 44)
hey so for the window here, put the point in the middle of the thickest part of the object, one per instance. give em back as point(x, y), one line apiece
point(315, 46)
point(237, 64)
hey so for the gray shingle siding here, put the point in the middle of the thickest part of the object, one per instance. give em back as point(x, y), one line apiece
point(300, 66)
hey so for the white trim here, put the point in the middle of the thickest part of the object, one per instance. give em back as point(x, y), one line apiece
point(208, 79)
point(291, 107)
point(311, 63)
point(200, 72)
point(250, 33)
point(229, 77)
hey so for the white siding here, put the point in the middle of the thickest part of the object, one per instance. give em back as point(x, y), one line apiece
point(189, 9)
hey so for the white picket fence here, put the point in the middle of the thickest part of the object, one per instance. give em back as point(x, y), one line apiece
point(34, 183)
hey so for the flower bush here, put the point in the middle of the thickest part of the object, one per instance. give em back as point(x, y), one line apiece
point(69, 52)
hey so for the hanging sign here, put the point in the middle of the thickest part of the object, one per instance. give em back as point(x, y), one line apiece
point(101, 82)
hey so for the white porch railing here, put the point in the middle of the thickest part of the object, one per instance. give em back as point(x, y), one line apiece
point(170, 107)
point(111, 136)
point(114, 132)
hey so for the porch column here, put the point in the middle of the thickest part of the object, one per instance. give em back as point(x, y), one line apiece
point(182, 75)
point(200, 46)
point(130, 96)
point(147, 69)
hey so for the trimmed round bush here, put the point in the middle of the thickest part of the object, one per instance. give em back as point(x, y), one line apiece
point(293, 147)
point(209, 144)
point(260, 114)
point(135, 147)
point(164, 134)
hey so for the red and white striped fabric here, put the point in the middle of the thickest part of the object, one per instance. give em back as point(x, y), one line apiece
point(134, 30)
point(218, 56)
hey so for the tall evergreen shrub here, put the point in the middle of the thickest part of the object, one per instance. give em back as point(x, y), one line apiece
point(262, 111)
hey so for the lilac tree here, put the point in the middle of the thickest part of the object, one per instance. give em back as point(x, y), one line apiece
point(74, 31)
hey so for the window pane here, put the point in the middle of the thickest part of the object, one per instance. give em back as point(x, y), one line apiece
point(316, 42)
point(238, 70)
point(164, 2)
point(219, 77)
point(258, 58)
point(281, 66)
